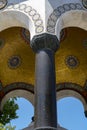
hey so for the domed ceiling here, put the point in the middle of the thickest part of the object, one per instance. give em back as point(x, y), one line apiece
point(71, 58)
point(16, 57)
point(17, 60)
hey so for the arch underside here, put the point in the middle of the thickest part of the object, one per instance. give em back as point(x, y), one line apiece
point(72, 90)
point(67, 15)
point(74, 18)
point(25, 90)
point(18, 89)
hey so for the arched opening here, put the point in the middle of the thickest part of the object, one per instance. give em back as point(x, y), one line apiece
point(71, 58)
point(70, 113)
point(25, 113)
point(17, 74)
point(73, 18)
point(15, 59)
point(15, 18)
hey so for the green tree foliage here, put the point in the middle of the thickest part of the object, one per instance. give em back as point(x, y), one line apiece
point(8, 127)
point(1, 127)
point(9, 111)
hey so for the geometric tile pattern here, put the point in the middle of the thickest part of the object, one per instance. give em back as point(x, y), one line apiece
point(58, 12)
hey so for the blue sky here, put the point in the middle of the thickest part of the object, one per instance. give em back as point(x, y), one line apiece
point(70, 114)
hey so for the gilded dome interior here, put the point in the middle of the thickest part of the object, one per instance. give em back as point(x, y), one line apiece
point(71, 58)
point(17, 60)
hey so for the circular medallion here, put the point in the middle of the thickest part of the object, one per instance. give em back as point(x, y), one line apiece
point(84, 2)
point(1, 43)
point(3, 3)
point(14, 62)
point(71, 62)
point(26, 35)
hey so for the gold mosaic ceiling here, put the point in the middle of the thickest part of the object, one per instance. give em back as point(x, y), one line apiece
point(17, 60)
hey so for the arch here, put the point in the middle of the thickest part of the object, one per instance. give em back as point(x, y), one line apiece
point(13, 18)
point(21, 15)
point(71, 90)
point(18, 89)
point(70, 111)
point(67, 15)
point(71, 19)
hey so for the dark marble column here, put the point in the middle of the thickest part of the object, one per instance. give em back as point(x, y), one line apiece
point(45, 46)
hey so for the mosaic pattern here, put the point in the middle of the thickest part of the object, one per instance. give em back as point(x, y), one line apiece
point(84, 2)
point(3, 3)
point(36, 18)
point(58, 12)
point(14, 62)
point(72, 62)
point(26, 35)
point(1, 43)
point(62, 34)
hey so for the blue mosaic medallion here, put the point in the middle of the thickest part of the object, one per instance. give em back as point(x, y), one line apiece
point(84, 2)
point(26, 35)
point(14, 62)
point(3, 3)
point(72, 62)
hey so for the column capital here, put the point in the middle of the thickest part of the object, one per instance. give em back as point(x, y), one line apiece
point(44, 41)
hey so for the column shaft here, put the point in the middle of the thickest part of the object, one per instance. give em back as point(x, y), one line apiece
point(45, 92)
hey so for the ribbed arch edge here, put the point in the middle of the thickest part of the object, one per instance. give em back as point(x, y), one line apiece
point(73, 18)
point(14, 18)
point(72, 91)
point(18, 90)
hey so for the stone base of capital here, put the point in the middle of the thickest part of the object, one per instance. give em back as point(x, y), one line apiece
point(31, 127)
point(45, 128)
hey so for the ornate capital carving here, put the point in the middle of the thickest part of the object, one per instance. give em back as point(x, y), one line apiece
point(44, 41)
